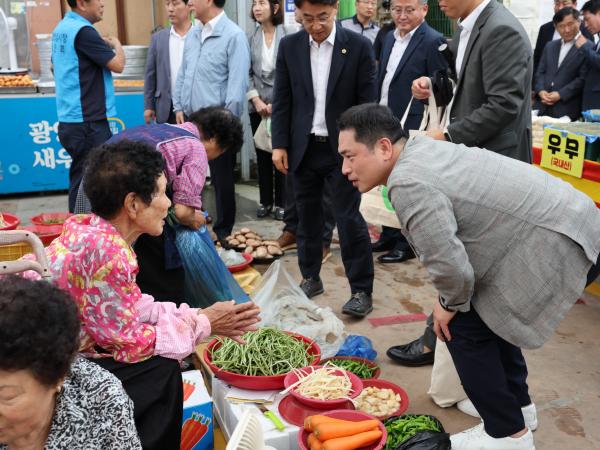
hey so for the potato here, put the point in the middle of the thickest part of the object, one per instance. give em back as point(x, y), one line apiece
point(241, 238)
point(248, 250)
point(273, 250)
point(253, 242)
point(234, 242)
point(261, 252)
point(242, 245)
point(245, 230)
point(274, 243)
point(251, 235)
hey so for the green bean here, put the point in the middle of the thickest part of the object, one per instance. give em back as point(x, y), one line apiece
point(267, 352)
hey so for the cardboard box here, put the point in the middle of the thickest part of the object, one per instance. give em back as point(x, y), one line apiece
point(197, 425)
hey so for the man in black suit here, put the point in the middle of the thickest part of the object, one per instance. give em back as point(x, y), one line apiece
point(590, 51)
point(409, 52)
point(320, 72)
point(549, 33)
point(562, 70)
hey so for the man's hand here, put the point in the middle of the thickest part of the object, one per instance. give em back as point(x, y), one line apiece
point(149, 115)
point(231, 320)
point(420, 88)
point(188, 216)
point(437, 134)
point(261, 107)
point(545, 97)
point(441, 319)
point(280, 159)
point(553, 97)
point(580, 40)
point(179, 117)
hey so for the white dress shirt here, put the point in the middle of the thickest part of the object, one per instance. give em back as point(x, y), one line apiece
point(209, 27)
point(564, 49)
point(268, 55)
point(400, 46)
point(467, 26)
point(320, 64)
point(176, 44)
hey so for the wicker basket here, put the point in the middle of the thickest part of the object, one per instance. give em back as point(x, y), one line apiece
point(14, 251)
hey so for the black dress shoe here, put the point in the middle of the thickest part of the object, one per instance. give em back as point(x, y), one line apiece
point(396, 256)
point(359, 305)
point(411, 354)
point(382, 246)
point(263, 211)
point(311, 287)
point(278, 213)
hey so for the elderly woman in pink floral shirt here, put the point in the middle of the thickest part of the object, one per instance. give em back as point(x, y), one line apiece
point(124, 331)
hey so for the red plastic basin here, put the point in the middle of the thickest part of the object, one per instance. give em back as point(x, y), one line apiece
point(11, 221)
point(46, 233)
point(384, 384)
point(256, 383)
point(50, 218)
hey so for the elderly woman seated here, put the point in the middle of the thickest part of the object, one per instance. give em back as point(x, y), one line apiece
point(124, 331)
point(49, 397)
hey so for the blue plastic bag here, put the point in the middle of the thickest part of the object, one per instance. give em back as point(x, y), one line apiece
point(356, 345)
point(207, 279)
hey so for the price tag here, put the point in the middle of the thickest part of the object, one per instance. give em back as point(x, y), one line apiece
point(563, 152)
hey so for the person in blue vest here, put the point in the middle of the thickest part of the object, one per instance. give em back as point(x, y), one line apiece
point(83, 61)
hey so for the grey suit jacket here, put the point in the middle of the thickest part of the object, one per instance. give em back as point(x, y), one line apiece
point(496, 234)
point(261, 83)
point(157, 79)
point(492, 102)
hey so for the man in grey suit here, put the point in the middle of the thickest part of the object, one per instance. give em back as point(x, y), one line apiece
point(491, 107)
point(508, 247)
point(162, 65)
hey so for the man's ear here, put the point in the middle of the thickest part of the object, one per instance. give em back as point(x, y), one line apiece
point(385, 147)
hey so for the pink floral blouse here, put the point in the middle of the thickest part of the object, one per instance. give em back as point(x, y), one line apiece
point(98, 268)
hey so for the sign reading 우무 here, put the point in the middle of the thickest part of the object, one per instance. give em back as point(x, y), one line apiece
point(563, 152)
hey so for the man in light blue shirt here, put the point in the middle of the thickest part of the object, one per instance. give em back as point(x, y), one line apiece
point(214, 71)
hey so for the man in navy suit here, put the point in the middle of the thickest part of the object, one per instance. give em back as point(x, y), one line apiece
point(591, 53)
point(548, 32)
point(321, 71)
point(562, 70)
point(410, 52)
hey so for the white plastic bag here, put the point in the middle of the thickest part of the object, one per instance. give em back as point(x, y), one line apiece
point(283, 305)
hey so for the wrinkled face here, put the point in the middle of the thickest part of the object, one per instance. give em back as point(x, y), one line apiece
point(408, 14)
point(213, 150)
point(262, 10)
point(151, 218)
point(568, 28)
point(592, 22)
point(364, 168)
point(560, 4)
point(92, 10)
point(25, 405)
point(318, 20)
point(366, 8)
point(177, 11)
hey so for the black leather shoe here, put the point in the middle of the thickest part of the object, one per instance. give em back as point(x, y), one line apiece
point(382, 246)
point(311, 287)
point(359, 305)
point(263, 211)
point(278, 213)
point(411, 354)
point(396, 256)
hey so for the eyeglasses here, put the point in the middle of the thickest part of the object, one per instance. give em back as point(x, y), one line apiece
point(399, 11)
point(321, 20)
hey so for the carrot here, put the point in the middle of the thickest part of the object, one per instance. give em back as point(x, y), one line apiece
point(353, 442)
point(325, 431)
point(314, 443)
point(312, 421)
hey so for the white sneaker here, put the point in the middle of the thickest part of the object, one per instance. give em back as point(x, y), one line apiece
point(529, 412)
point(477, 439)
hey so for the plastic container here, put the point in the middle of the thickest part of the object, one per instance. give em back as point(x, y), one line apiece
point(368, 362)
point(384, 384)
point(12, 221)
point(46, 233)
point(50, 218)
point(256, 383)
point(345, 414)
point(242, 266)
point(292, 377)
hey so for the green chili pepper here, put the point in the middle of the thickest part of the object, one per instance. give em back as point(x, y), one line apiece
point(358, 368)
point(401, 428)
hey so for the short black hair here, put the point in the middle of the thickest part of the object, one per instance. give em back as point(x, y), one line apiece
point(115, 170)
point(371, 122)
point(563, 13)
point(219, 3)
point(219, 123)
point(39, 329)
point(276, 17)
point(299, 3)
point(591, 6)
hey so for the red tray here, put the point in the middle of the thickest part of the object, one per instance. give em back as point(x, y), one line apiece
point(384, 384)
point(50, 218)
point(12, 221)
point(344, 414)
point(295, 412)
point(242, 266)
point(256, 383)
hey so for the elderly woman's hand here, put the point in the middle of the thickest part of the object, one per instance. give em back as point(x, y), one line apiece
point(231, 320)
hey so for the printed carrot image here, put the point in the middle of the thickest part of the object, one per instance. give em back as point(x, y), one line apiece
point(188, 388)
point(193, 431)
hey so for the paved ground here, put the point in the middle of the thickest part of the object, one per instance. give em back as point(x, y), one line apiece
point(564, 375)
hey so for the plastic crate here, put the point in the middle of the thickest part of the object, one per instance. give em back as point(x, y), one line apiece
point(14, 251)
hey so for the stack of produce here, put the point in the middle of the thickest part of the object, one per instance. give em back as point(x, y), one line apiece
point(327, 433)
point(377, 401)
point(324, 383)
point(252, 244)
point(267, 352)
point(15, 81)
point(358, 368)
point(400, 429)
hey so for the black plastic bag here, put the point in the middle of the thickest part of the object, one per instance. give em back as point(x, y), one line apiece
point(426, 439)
